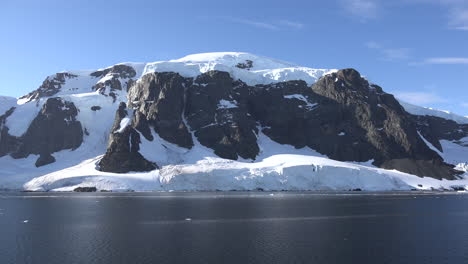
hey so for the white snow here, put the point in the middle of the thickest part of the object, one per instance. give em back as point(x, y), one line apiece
point(279, 167)
point(455, 152)
point(227, 104)
point(264, 71)
point(341, 134)
point(301, 98)
point(123, 124)
point(429, 144)
point(419, 110)
point(278, 172)
point(19, 121)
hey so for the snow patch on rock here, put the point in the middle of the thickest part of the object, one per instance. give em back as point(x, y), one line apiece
point(301, 98)
point(18, 122)
point(225, 104)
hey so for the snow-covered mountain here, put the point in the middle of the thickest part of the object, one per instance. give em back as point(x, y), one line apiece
point(222, 121)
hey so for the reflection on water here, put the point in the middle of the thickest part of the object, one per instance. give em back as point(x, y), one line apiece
point(233, 228)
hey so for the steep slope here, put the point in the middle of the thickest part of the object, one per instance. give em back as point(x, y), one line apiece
point(183, 120)
point(425, 111)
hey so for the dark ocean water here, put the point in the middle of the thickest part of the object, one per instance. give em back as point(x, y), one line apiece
point(233, 228)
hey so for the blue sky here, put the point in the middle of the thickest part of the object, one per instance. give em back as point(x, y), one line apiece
point(416, 49)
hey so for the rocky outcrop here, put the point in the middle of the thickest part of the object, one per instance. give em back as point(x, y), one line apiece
point(44, 159)
point(217, 112)
point(8, 143)
point(122, 153)
point(159, 99)
point(50, 87)
point(117, 77)
point(342, 116)
point(55, 128)
point(387, 131)
point(434, 129)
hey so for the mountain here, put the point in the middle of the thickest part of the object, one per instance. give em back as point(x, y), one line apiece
point(223, 121)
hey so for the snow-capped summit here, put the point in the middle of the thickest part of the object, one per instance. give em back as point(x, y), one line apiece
point(249, 68)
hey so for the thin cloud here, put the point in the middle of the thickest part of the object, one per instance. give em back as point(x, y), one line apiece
point(291, 24)
point(278, 25)
point(446, 60)
point(464, 105)
point(459, 19)
point(456, 10)
point(390, 54)
point(257, 24)
point(362, 9)
point(420, 98)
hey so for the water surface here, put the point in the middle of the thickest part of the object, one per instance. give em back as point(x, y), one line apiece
point(233, 228)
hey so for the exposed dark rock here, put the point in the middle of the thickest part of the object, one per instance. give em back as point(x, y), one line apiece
point(387, 131)
point(117, 74)
point(95, 108)
point(218, 115)
point(159, 97)
point(247, 65)
point(50, 86)
point(45, 159)
point(8, 143)
point(433, 168)
point(434, 129)
point(458, 188)
point(55, 128)
point(123, 151)
point(120, 70)
point(85, 189)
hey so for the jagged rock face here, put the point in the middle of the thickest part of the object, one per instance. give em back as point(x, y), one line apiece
point(55, 128)
point(118, 71)
point(217, 112)
point(117, 77)
point(390, 133)
point(50, 86)
point(291, 113)
point(159, 99)
point(434, 129)
point(341, 116)
point(122, 153)
point(8, 143)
